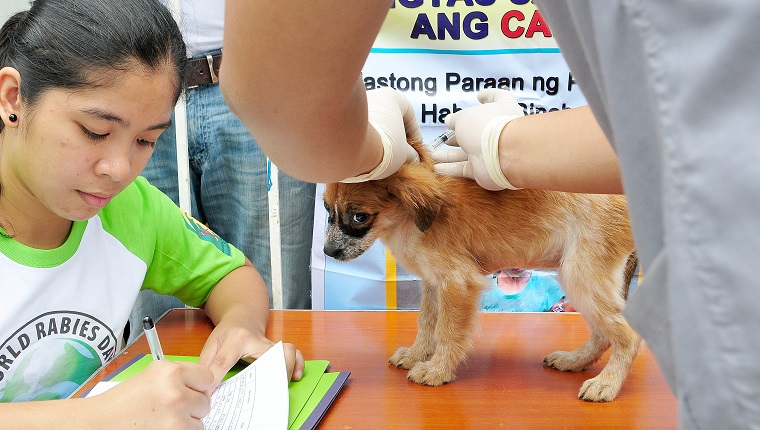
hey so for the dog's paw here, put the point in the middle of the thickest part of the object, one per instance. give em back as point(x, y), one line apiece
point(426, 373)
point(403, 358)
point(565, 361)
point(597, 390)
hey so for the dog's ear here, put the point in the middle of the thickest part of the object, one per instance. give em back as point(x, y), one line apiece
point(415, 186)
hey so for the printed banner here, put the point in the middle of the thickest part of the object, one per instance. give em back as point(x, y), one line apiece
point(439, 54)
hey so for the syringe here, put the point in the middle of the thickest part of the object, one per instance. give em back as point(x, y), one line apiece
point(440, 140)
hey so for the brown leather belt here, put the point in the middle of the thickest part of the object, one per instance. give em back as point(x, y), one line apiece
point(204, 70)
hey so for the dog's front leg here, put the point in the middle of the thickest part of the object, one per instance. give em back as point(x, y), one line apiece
point(424, 344)
point(457, 308)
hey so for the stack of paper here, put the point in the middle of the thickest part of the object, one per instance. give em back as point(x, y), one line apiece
point(254, 396)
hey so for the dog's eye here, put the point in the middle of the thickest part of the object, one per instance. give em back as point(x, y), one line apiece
point(359, 218)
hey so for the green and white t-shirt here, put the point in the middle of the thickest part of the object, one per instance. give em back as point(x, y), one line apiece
point(63, 311)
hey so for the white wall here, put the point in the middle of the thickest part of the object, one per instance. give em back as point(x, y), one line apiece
point(9, 7)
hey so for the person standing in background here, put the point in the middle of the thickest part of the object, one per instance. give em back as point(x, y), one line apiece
point(229, 178)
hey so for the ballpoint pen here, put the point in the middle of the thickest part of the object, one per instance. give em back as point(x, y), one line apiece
point(152, 336)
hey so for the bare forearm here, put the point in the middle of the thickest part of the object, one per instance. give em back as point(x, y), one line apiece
point(239, 307)
point(291, 72)
point(562, 151)
point(241, 299)
point(43, 415)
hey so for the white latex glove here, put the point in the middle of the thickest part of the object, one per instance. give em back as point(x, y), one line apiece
point(477, 130)
point(391, 114)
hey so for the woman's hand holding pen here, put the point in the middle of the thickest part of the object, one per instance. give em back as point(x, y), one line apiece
point(166, 395)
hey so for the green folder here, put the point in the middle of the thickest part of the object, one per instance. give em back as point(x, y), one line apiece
point(309, 398)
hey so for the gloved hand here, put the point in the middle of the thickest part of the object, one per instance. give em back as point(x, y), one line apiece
point(391, 114)
point(477, 130)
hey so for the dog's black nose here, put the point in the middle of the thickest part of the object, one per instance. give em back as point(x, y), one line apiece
point(333, 251)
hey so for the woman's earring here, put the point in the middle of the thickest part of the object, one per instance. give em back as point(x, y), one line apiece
point(12, 117)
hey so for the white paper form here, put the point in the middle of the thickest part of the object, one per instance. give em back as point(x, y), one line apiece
point(255, 398)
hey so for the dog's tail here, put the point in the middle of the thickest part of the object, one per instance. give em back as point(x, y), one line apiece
point(631, 267)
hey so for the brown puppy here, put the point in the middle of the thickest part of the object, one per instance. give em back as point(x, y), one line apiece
point(451, 233)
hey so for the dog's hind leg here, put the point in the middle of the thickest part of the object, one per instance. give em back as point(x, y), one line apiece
point(625, 344)
point(424, 345)
point(457, 309)
point(597, 294)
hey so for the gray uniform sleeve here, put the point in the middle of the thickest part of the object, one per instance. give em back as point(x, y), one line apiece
point(674, 86)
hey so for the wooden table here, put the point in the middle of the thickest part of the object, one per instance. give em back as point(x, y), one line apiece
point(503, 384)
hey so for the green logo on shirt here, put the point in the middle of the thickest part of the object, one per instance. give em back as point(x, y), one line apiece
point(205, 233)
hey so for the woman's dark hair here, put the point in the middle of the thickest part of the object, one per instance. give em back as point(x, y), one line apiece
point(70, 43)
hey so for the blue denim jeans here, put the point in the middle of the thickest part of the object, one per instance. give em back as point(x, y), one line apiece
point(229, 182)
